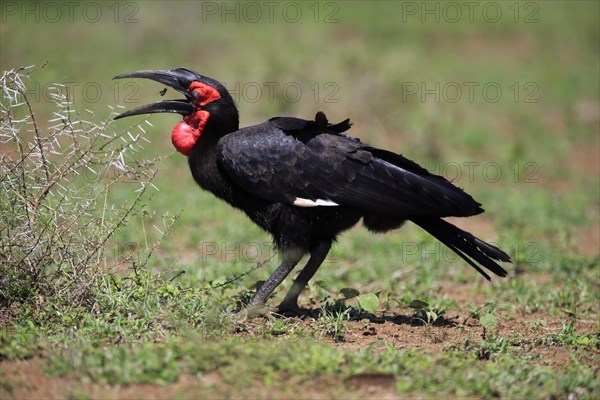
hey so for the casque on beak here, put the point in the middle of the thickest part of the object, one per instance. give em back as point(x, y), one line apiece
point(179, 79)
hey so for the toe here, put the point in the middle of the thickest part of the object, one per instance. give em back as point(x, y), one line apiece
point(288, 309)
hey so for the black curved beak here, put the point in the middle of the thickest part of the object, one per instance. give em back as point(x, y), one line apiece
point(178, 79)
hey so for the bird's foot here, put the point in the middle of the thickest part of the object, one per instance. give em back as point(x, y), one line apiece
point(286, 309)
point(292, 309)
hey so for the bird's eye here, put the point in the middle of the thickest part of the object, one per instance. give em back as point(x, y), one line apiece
point(203, 93)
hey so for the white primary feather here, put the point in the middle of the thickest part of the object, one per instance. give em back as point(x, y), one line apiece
point(300, 202)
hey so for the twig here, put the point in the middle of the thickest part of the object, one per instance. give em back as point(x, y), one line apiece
point(246, 273)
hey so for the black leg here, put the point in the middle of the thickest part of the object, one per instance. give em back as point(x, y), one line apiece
point(317, 256)
point(289, 262)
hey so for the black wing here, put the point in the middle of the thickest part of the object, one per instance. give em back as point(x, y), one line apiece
point(287, 159)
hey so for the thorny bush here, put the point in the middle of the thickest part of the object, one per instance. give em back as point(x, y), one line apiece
point(55, 182)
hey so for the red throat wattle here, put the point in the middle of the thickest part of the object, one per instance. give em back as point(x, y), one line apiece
point(186, 133)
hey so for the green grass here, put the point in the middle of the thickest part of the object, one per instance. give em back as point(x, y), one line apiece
point(159, 325)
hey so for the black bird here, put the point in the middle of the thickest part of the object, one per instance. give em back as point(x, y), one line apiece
point(306, 181)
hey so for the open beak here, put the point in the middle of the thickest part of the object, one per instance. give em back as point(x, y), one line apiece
point(178, 79)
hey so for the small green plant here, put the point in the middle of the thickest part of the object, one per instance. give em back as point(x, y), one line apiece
point(537, 325)
point(425, 313)
point(279, 327)
point(368, 302)
point(569, 337)
point(491, 346)
point(488, 322)
point(333, 323)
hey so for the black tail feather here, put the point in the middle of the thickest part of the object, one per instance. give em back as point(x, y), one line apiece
point(467, 246)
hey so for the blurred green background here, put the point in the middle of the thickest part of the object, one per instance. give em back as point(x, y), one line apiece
point(453, 86)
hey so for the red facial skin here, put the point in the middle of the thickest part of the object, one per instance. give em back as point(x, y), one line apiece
point(204, 93)
point(186, 133)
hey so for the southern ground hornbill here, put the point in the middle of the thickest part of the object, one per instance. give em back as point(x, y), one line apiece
point(307, 181)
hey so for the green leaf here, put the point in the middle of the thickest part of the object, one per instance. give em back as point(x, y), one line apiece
point(432, 316)
point(369, 302)
point(418, 304)
point(348, 293)
point(219, 281)
point(488, 321)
